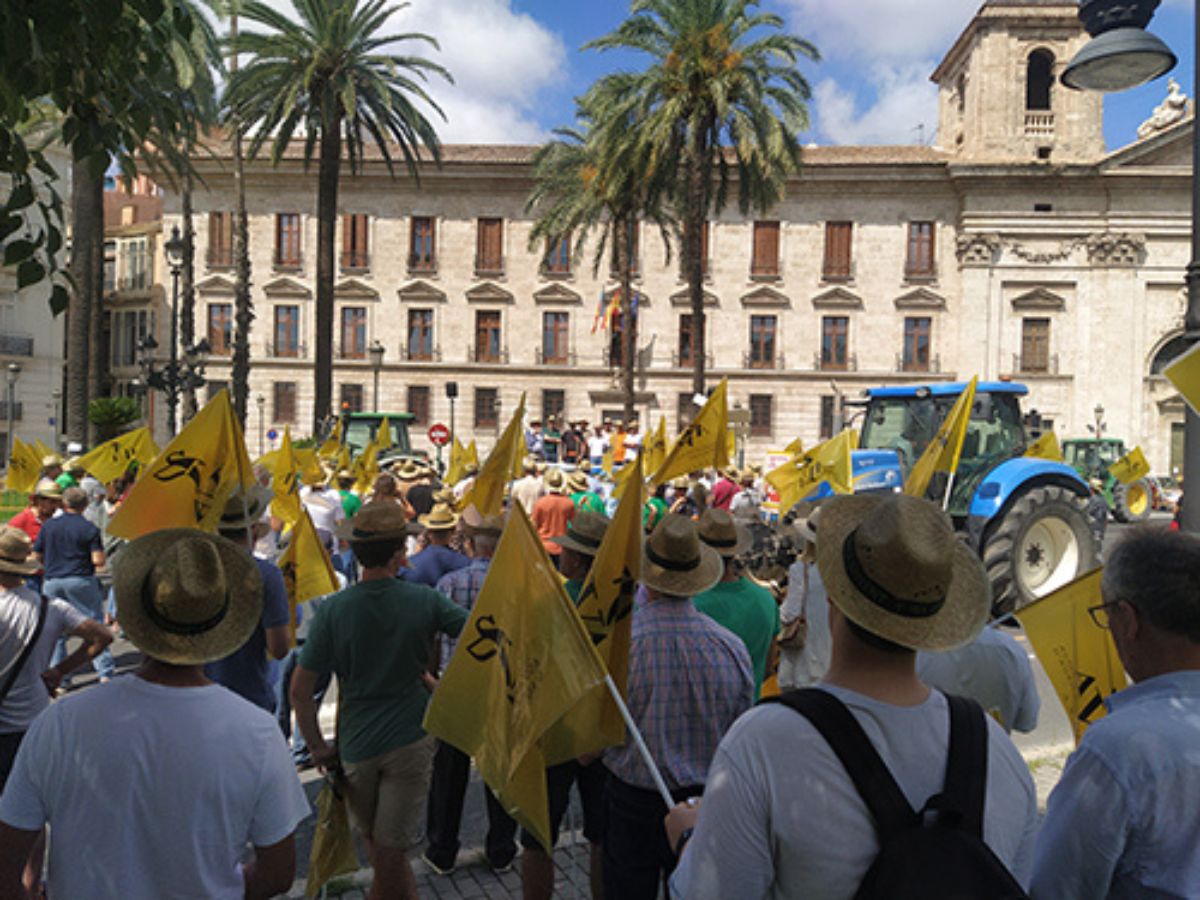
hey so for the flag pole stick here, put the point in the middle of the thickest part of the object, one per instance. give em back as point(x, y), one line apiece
point(640, 741)
point(949, 488)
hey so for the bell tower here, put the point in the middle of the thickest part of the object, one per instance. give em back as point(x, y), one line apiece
point(999, 97)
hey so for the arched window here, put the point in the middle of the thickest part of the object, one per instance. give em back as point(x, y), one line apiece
point(1168, 352)
point(1039, 78)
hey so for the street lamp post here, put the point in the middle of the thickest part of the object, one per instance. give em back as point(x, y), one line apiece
point(1123, 55)
point(174, 249)
point(14, 372)
point(376, 352)
point(56, 396)
point(261, 401)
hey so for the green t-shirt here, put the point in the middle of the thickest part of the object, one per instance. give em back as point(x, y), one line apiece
point(588, 500)
point(351, 503)
point(376, 636)
point(750, 612)
point(66, 480)
point(653, 512)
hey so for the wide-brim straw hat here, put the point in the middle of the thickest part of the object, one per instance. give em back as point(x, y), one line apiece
point(718, 529)
point(893, 565)
point(244, 509)
point(186, 597)
point(51, 459)
point(15, 547)
point(382, 520)
point(585, 532)
point(555, 481)
point(409, 470)
point(441, 518)
point(577, 482)
point(48, 489)
point(676, 562)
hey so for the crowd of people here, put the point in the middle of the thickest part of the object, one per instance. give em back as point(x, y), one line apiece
point(809, 732)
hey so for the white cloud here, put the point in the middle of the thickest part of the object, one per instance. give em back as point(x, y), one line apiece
point(874, 30)
point(903, 111)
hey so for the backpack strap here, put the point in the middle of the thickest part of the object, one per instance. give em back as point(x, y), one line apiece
point(961, 801)
point(876, 786)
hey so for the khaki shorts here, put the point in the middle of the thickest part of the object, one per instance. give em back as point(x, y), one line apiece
point(387, 793)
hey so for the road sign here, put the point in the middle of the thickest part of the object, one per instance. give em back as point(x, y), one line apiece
point(439, 435)
point(272, 434)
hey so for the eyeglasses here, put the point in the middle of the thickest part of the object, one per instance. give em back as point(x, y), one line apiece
point(1100, 615)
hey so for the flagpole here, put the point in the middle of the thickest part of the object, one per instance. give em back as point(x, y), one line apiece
point(640, 741)
point(949, 488)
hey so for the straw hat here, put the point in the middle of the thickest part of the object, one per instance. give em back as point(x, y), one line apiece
point(409, 470)
point(680, 483)
point(343, 474)
point(556, 482)
point(441, 518)
point(892, 564)
point(51, 459)
point(186, 597)
point(382, 521)
point(584, 532)
point(15, 547)
point(529, 464)
point(245, 509)
point(676, 562)
point(577, 483)
point(48, 489)
point(717, 529)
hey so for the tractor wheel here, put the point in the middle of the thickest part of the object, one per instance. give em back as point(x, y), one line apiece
point(1131, 502)
point(1044, 541)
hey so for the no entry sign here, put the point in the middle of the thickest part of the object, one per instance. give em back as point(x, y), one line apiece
point(439, 435)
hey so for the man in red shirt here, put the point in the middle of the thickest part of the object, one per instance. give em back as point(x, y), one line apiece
point(725, 490)
point(552, 512)
point(43, 504)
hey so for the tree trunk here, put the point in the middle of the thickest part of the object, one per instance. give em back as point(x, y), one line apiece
point(327, 191)
point(624, 238)
point(243, 307)
point(695, 210)
point(87, 269)
point(187, 291)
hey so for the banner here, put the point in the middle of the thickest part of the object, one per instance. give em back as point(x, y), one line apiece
point(1130, 467)
point(829, 462)
point(704, 444)
point(307, 570)
point(1046, 447)
point(112, 459)
point(503, 464)
point(944, 450)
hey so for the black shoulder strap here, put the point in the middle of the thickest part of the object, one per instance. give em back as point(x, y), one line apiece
point(966, 766)
point(37, 633)
point(839, 728)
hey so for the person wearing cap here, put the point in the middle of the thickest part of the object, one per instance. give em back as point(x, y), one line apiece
point(452, 767)
point(1121, 822)
point(780, 816)
point(376, 636)
point(582, 495)
point(804, 642)
point(725, 489)
point(154, 784)
point(689, 679)
point(528, 489)
point(437, 559)
point(44, 502)
point(351, 502)
point(579, 547)
point(551, 514)
point(70, 550)
point(736, 602)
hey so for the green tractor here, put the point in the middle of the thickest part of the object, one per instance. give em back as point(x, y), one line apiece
point(1091, 458)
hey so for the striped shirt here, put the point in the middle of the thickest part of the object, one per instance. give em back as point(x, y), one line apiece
point(462, 586)
point(689, 679)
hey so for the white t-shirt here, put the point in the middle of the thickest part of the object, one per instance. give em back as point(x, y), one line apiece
point(18, 619)
point(597, 445)
point(781, 818)
point(152, 792)
point(324, 505)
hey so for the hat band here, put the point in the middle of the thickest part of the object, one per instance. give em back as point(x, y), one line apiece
point(719, 542)
point(359, 535)
point(878, 594)
point(579, 538)
point(671, 565)
point(184, 629)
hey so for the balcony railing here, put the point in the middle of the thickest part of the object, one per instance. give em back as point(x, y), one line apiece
point(136, 282)
point(483, 355)
point(920, 271)
point(1035, 364)
point(287, 351)
point(289, 263)
point(354, 351)
point(849, 364)
point(686, 361)
point(568, 358)
point(13, 344)
point(421, 263)
point(934, 364)
point(776, 361)
point(432, 355)
point(1039, 124)
point(489, 266)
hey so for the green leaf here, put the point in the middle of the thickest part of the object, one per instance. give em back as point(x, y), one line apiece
point(21, 197)
point(59, 300)
point(30, 272)
point(18, 252)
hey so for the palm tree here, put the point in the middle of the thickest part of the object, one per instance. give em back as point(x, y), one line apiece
point(721, 97)
point(327, 76)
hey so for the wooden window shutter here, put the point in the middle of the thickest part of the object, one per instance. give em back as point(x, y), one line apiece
point(766, 249)
point(838, 237)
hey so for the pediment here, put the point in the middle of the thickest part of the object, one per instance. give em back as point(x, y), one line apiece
point(286, 287)
point(1039, 298)
point(681, 298)
point(557, 293)
point(487, 292)
point(766, 297)
point(216, 284)
point(353, 289)
point(837, 298)
point(421, 292)
point(921, 298)
point(1170, 148)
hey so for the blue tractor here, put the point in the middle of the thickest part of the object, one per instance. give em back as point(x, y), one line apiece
point(1026, 517)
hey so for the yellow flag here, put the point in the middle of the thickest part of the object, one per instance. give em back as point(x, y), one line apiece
point(333, 443)
point(43, 451)
point(366, 467)
point(285, 482)
point(1046, 447)
point(1130, 467)
point(113, 458)
point(383, 437)
point(472, 457)
point(655, 450)
point(796, 447)
point(503, 464)
point(521, 662)
point(944, 450)
point(829, 462)
point(187, 485)
point(1184, 373)
point(1079, 657)
point(307, 570)
point(606, 461)
point(343, 463)
point(309, 463)
point(606, 608)
point(704, 444)
point(454, 469)
point(24, 468)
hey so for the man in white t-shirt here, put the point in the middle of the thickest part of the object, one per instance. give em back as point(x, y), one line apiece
point(154, 783)
point(324, 506)
point(597, 446)
point(780, 816)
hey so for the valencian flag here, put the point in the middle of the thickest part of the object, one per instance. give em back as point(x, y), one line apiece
point(187, 485)
point(606, 608)
point(24, 468)
point(944, 450)
point(112, 459)
point(1046, 447)
point(1079, 656)
point(285, 482)
point(523, 659)
point(828, 462)
point(307, 571)
point(1130, 467)
point(704, 444)
point(503, 464)
point(333, 443)
point(1184, 373)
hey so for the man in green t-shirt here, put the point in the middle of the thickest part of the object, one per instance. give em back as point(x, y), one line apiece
point(351, 502)
point(377, 637)
point(582, 495)
point(736, 602)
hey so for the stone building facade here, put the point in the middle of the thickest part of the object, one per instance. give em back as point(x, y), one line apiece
point(1017, 247)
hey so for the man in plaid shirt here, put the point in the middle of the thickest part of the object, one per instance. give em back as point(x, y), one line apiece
point(689, 679)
